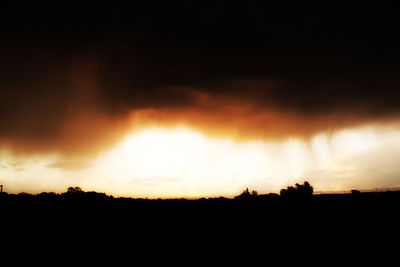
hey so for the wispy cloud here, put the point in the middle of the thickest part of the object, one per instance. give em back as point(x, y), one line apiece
point(15, 164)
point(70, 166)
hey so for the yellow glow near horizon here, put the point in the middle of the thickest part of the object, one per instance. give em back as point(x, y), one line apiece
point(180, 162)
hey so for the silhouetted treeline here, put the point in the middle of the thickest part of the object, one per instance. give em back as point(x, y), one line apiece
point(73, 193)
point(298, 194)
point(249, 207)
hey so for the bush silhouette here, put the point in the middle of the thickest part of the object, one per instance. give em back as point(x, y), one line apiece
point(298, 191)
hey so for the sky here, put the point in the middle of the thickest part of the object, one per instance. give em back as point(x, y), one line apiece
point(177, 98)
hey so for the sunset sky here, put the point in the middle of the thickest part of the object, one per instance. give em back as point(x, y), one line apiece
point(184, 99)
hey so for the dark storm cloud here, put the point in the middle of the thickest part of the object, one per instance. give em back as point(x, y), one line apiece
point(313, 60)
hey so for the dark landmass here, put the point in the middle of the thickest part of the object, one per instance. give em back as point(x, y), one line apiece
point(76, 205)
point(250, 224)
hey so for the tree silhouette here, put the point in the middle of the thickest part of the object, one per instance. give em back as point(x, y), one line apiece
point(74, 190)
point(246, 195)
point(254, 194)
point(298, 191)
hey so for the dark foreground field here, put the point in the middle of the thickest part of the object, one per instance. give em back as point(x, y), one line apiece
point(95, 226)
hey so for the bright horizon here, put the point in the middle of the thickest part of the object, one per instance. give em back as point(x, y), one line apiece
point(181, 162)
